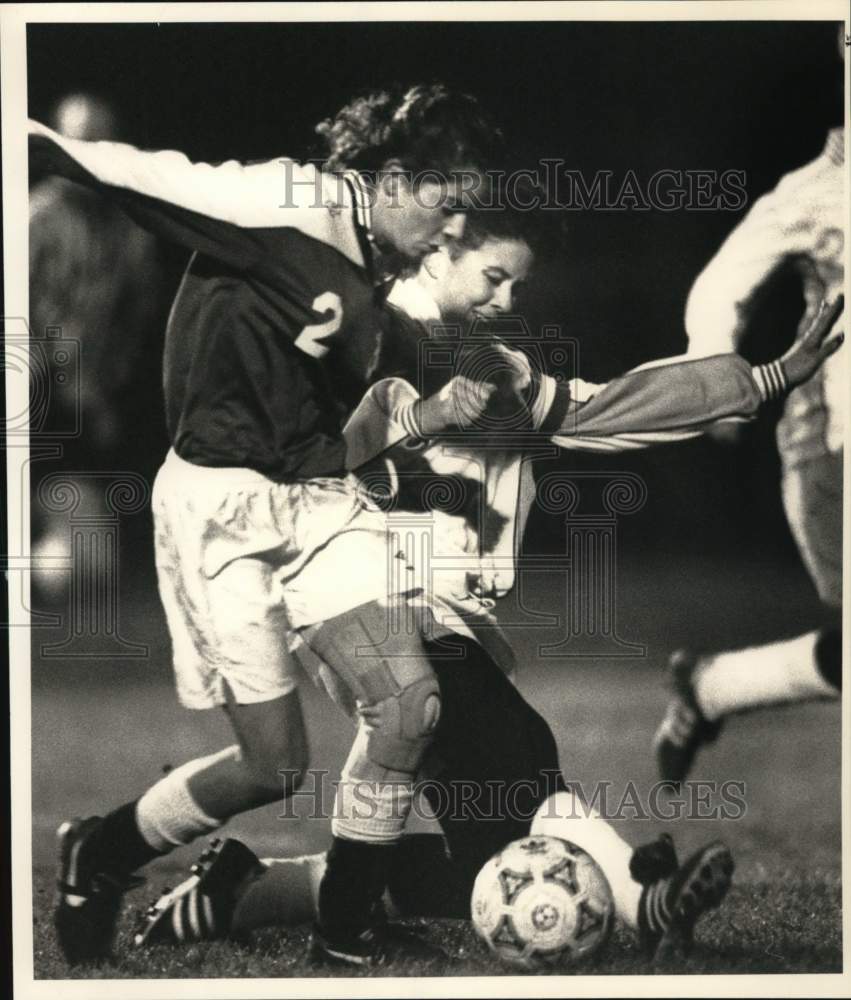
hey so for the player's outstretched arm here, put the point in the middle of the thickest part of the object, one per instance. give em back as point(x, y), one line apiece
point(680, 399)
point(262, 194)
point(229, 211)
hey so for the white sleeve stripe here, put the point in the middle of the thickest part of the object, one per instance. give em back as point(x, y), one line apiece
point(363, 201)
point(543, 400)
point(771, 380)
point(759, 378)
point(404, 416)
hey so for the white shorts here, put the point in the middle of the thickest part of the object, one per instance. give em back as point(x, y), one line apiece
point(423, 558)
point(226, 542)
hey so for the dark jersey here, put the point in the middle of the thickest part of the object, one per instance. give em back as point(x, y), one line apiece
point(273, 335)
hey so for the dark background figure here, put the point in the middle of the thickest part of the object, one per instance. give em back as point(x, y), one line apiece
point(96, 280)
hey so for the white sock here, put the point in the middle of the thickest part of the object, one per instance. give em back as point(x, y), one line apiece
point(564, 815)
point(367, 808)
point(760, 675)
point(167, 815)
point(285, 895)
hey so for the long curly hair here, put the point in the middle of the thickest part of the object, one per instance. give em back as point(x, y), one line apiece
point(426, 127)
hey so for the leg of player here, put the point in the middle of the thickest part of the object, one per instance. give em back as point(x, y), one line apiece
point(231, 892)
point(492, 762)
point(488, 738)
point(663, 908)
point(98, 856)
point(706, 689)
point(387, 671)
point(709, 688)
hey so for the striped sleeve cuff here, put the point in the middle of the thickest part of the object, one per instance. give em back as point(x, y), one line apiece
point(407, 418)
point(555, 416)
point(770, 380)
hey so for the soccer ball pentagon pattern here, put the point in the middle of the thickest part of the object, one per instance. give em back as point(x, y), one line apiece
point(542, 901)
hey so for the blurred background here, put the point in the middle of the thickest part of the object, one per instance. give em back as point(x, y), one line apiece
point(708, 561)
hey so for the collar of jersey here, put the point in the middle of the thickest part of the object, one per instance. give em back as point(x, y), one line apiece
point(363, 202)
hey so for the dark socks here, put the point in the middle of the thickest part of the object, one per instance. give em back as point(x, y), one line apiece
point(829, 656)
point(355, 878)
point(426, 882)
point(123, 846)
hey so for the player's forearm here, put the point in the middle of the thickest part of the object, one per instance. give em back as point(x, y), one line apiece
point(668, 402)
point(380, 421)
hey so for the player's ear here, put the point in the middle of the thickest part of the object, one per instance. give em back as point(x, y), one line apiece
point(436, 264)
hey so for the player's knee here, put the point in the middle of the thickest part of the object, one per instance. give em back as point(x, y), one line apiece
point(388, 671)
point(403, 725)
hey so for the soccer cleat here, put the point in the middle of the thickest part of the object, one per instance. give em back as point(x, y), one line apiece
point(377, 945)
point(201, 907)
point(671, 907)
point(685, 728)
point(89, 893)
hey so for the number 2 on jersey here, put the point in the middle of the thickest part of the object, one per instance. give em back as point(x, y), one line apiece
point(311, 337)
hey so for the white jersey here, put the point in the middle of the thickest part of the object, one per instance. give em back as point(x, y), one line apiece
point(802, 221)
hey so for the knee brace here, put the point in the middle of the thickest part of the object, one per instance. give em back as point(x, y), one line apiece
point(390, 672)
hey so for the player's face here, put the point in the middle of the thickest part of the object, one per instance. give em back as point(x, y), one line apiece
point(414, 220)
point(480, 283)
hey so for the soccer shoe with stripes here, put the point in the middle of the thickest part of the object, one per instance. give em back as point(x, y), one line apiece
point(684, 729)
point(201, 907)
point(377, 945)
point(89, 893)
point(670, 907)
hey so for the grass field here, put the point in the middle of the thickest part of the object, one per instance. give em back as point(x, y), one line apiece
point(102, 733)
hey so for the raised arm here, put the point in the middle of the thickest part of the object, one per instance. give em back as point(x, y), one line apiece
point(222, 210)
point(245, 195)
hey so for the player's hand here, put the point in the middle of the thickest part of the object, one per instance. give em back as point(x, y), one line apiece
point(457, 406)
point(516, 368)
point(486, 582)
point(807, 355)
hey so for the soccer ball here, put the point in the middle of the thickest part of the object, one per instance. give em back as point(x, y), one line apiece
point(542, 901)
